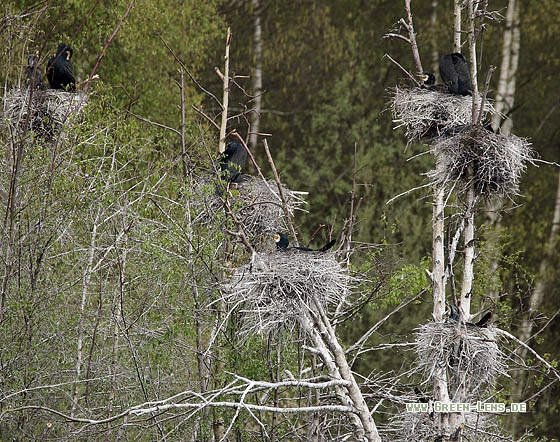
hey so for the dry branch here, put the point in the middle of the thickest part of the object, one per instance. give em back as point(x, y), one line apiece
point(429, 113)
point(256, 202)
point(279, 288)
point(461, 349)
point(497, 162)
point(42, 112)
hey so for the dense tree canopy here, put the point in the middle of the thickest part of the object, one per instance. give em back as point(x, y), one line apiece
point(98, 255)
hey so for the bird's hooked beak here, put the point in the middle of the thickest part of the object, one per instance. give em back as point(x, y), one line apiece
point(422, 76)
point(68, 55)
point(276, 237)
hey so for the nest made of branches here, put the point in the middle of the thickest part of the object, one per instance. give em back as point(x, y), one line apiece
point(492, 163)
point(421, 427)
point(280, 288)
point(256, 203)
point(44, 112)
point(430, 113)
point(470, 354)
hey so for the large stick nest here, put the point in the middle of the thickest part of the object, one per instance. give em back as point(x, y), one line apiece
point(429, 113)
point(280, 288)
point(493, 163)
point(470, 354)
point(43, 112)
point(256, 203)
point(421, 427)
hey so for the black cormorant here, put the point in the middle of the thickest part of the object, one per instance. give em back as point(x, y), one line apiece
point(34, 78)
point(428, 79)
point(454, 73)
point(483, 322)
point(456, 315)
point(232, 162)
point(282, 243)
point(429, 82)
point(59, 69)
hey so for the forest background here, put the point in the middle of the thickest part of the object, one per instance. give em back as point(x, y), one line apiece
point(326, 85)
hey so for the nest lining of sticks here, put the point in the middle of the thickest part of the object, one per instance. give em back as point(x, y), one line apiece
point(429, 113)
point(470, 354)
point(420, 427)
point(492, 163)
point(256, 203)
point(280, 288)
point(46, 111)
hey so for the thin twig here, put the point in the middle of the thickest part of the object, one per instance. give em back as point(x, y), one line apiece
point(403, 69)
point(280, 190)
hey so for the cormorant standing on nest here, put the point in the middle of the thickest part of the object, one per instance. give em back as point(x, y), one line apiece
point(59, 69)
point(428, 79)
point(282, 243)
point(454, 73)
point(232, 162)
point(456, 315)
point(34, 78)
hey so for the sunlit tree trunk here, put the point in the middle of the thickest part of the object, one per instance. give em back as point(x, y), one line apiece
point(505, 93)
point(257, 75)
point(434, 39)
point(535, 300)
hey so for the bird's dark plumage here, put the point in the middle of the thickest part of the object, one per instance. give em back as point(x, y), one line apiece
point(232, 162)
point(455, 313)
point(34, 78)
point(483, 322)
point(428, 79)
point(59, 69)
point(454, 73)
point(429, 82)
point(282, 243)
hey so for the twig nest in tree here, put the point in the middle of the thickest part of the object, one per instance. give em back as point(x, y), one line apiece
point(493, 163)
point(281, 288)
point(43, 112)
point(429, 113)
point(421, 427)
point(470, 354)
point(256, 203)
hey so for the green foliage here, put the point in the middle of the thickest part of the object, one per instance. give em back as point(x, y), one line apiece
point(407, 281)
point(98, 239)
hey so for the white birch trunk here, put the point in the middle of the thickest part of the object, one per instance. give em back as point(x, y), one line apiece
point(257, 76)
point(508, 68)
point(514, 63)
point(535, 301)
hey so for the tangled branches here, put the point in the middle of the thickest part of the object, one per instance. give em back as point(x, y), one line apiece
point(256, 202)
point(43, 112)
point(461, 349)
point(278, 288)
point(492, 163)
point(428, 113)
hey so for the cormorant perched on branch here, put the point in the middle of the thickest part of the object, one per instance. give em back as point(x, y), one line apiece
point(483, 322)
point(282, 243)
point(59, 69)
point(34, 78)
point(456, 315)
point(454, 73)
point(232, 162)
